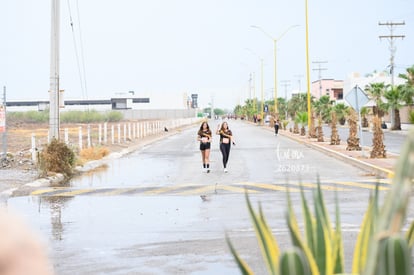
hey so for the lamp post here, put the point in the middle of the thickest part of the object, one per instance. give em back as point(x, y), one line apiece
point(261, 88)
point(307, 67)
point(275, 40)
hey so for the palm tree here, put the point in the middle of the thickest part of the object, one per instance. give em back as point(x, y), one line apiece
point(297, 104)
point(249, 108)
point(282, 107)
point(376, 92)
point(302, 119)
point(408, 90)
point(364, 112)
point(341, 111)
point(394, 98)
point(409, 76)
point(323, 107)
point(411, 117)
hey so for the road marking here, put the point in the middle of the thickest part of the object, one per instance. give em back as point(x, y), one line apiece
point(323, 186)
point(361, 185)
point(74, 192)
point(193, 189)
point(114, 192)
point(236, 189)
point(270, 186)
point(384, 181)
point(42, 191)
point(198, 190)
point(164, 189)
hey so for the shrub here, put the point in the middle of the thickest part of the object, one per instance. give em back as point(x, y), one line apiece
point(57, 157)
point(81, 117)
point(381, 247)
point(411, 117)
point(114, 116)
point(28, 117)
point(92, 116)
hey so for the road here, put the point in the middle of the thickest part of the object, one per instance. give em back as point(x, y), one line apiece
point(143, 214)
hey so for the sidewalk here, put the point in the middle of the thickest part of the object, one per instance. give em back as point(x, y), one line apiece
point(380, 167)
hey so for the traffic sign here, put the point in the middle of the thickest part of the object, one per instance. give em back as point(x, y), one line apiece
point(357, 98)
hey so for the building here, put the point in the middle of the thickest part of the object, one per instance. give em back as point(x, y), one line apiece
point(362, 81)
point(331, 87)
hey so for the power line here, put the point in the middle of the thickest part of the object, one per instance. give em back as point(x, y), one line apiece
point(391, 37)
point(81, 72)
point(81, 48)
point(285, 83)
point(320, 69)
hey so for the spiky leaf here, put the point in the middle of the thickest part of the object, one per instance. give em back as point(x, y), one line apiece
point(394, 257)
point(338, 245)
point(294, 262)
point(244, 268)
point(309, 220)
point(267, 242)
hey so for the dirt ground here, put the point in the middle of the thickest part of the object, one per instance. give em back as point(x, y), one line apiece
point(18, 168)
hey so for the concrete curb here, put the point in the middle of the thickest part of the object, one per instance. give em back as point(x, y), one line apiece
point(378, 171)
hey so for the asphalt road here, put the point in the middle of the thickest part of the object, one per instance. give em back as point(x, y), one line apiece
point(143, 214)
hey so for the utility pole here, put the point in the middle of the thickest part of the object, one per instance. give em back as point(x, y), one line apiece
point(285, 83)
point(254, 94)
point(391, 37)
point(320, 69)
point(54, 112)
point(3, 124)
point(212, 107)
point(262, 92)
point(299, 77)
point(250, 86)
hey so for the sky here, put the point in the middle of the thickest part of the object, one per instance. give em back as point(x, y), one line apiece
point(167, 48)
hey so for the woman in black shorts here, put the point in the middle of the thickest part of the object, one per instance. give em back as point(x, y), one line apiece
point(204, 136)
point(226, 138)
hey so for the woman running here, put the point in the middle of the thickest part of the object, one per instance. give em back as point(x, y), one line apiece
point(205, 137)
point(226, 138)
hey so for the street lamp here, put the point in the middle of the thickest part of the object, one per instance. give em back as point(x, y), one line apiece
point(307, 66)
point(275, 40)
point(261, 88)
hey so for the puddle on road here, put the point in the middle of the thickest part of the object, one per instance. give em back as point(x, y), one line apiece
point(121, 216)
point(109, 230)
point(131, 170)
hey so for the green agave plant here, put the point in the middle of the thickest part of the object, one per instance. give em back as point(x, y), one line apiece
point(381, 247)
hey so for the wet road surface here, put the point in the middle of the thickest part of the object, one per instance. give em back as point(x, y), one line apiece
point(143, 214)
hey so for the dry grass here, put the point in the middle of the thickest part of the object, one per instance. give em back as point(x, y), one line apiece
point(93, 153)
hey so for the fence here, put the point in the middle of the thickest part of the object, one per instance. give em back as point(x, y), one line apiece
point(88, 135)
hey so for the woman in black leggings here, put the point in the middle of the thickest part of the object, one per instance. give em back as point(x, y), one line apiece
point(204, 136)
point(226, 138)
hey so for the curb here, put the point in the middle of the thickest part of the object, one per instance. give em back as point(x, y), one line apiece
point(378, 171)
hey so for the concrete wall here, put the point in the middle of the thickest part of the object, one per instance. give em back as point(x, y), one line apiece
point(133, 114)
point(404, 112)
